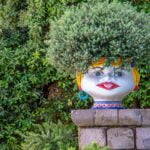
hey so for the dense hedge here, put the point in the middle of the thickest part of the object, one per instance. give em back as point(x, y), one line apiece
point(24, 73)
point(26, 79)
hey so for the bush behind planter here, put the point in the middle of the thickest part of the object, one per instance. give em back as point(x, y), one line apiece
point(24, 71)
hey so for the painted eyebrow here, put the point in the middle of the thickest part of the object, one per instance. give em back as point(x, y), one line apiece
point(101, 68)
point(119, 68)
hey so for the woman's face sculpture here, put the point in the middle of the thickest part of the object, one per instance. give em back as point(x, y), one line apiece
point(108, 83)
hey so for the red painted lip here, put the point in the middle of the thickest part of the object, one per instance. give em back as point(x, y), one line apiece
point(108, 85)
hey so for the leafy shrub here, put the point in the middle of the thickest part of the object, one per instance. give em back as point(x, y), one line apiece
point(50, 137)
point(86, 33)
point(59, 108)
point(24, 71)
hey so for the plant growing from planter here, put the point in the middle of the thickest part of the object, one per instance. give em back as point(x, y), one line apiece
point(101, 42)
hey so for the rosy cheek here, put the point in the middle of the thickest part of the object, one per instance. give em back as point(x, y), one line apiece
point(136, 88)
point(80, 88)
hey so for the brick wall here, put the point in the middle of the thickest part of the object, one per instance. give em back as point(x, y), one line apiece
point(118, 129)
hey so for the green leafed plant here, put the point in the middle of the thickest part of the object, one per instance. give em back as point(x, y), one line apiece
point(50, 136)
point(96, 29)
point(24, 71)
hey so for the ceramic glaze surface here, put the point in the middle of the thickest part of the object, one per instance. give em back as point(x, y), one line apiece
point(108, 83)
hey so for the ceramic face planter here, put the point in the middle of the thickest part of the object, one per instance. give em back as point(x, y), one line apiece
point(108, 85)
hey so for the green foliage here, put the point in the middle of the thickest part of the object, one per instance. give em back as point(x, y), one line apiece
point(141, 5)
point(86, 33)
point(94, 146)
point(50, 136)
point(59, 108)
point(24, 71)
point(139, 99)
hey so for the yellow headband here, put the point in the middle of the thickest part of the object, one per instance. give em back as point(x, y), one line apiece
point(101, 62)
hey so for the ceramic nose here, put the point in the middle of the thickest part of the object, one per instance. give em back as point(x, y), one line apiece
point(108, 76)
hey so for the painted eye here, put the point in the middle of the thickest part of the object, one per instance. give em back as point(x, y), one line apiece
point(98, 73)
point(119, 74)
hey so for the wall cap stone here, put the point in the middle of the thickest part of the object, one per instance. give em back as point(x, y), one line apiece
point(111, 117)
point(106, 118)
point(83, 117)
point(130, 117)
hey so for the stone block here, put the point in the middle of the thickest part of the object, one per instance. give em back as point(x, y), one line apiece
point(145, 116)
point(120, 138)
point(130, 117)
point(83, 117)
point(89, 135)
point(143, 138)
point(106, 117)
